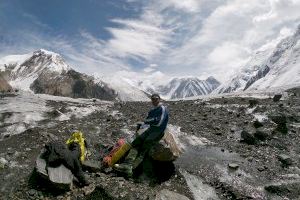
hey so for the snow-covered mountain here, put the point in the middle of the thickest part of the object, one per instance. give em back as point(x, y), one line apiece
point(46, 72)
point(270, 68)
point(125, 89)
point(179, 88)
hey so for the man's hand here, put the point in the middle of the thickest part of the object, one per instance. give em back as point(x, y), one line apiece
point(138, 125)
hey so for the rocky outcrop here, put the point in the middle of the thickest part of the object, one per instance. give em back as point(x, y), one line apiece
point(4, 86)
point(258, 75)
point(72, 84)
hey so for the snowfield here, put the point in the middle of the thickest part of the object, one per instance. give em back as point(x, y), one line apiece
point(26, 110)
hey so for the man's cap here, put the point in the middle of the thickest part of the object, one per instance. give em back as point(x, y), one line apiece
point(155, 96)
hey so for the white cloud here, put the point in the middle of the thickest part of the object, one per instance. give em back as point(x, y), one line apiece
point(151, 68)
point(231, 33)
point(137, 39)
point(183, 37)
point(227, 52)
point(186, 5)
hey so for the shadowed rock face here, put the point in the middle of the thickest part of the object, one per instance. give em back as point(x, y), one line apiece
point(4, 86)
point(72, 84)
point(260, 74)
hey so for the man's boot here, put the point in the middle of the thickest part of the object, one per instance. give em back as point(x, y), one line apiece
point(127, 166)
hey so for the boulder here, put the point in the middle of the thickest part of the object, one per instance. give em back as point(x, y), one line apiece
point(252, 103)
point(3, 163)
point(32, 193)
point(257, 124)
point(247, 137)
point(261, 135)
point(233, 166)
point(4, 86)
point(91, 166)
point(282, 128)
point(99, 193)
point(277, 97)
point(285, 160)
point(167, 150)
point(290, 188)
point(169, 195)
point(281, 121)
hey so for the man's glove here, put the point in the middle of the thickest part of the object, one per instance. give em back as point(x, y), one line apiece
point(138, 125)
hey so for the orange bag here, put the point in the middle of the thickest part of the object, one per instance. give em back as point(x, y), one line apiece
point(118, 151)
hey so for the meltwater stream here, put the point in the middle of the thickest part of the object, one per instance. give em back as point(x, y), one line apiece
point(202, 162)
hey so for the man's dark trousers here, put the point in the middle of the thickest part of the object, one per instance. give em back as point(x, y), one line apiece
point(144, 142)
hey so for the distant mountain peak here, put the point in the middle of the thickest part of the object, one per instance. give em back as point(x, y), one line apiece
point(53, 61)
point(46, 72)
point(44, 51)
point(179, 88)
point(212, 79)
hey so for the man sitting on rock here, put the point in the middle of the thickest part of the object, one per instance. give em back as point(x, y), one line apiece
point(157, 119)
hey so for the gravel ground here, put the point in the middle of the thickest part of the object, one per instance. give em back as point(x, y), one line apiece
point(234, 148)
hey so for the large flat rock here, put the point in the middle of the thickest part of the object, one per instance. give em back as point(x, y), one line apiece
point(59, 176)
point(169, 195)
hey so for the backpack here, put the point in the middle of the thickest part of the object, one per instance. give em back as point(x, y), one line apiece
point(77, 137)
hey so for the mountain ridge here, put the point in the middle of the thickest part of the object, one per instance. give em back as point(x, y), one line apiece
point(274, 67)
point(46, 72)
point(180, 88)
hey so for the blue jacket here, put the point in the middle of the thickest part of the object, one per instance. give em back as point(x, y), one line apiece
point(158, 117)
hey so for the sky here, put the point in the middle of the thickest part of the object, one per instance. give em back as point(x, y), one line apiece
point(171, 37)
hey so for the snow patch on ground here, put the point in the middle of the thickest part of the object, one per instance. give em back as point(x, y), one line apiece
point(250, 110)
point(116, 114)
point(240, 181)
point(216, 106)
point(14, 130)
point(184, 140)
point(260, 117)
point(79, 112)
point(26, 110)
point(69, 99)
point(200, 190)
point(20, 113)
point(83, 111)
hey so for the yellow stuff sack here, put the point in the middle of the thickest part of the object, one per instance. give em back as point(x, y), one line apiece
point(78, 138)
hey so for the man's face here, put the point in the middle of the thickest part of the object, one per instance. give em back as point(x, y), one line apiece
point(155, 101)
